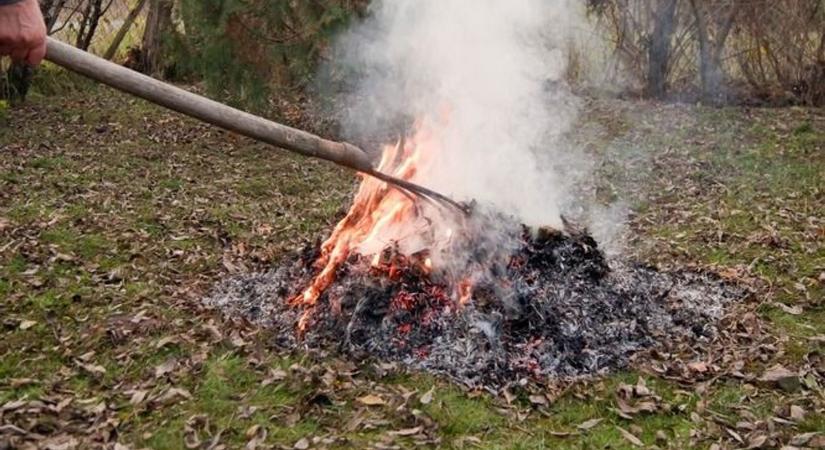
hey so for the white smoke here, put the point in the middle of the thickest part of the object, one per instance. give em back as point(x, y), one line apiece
point(490, 73)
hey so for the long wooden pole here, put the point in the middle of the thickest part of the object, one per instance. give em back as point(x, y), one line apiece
point(204, 109)
point(210, 111)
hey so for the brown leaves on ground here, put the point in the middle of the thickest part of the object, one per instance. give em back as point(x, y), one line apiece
point(588, 424)
point(636, 399)
point(108, 237)
point(115, 218)
point(781, 377)
point(371, 400)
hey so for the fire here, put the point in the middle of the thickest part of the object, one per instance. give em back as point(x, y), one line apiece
point(465, 292)
point(380, 216)
point(375, 207)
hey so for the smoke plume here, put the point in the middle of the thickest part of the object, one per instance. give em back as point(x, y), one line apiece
point(486, 78)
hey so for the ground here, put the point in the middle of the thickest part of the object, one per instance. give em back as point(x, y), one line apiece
point(117, 216)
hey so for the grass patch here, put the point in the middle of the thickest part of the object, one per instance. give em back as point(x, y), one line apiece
point(147, 220)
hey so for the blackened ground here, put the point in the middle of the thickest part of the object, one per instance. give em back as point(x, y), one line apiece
point(558, 310)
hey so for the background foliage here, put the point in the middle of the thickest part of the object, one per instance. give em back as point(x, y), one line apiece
point(246, 49)
point(721, 50)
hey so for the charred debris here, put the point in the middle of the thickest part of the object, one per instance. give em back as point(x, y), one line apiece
point(557, 309)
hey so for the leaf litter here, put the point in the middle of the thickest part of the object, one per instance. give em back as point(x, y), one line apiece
point(94, 419)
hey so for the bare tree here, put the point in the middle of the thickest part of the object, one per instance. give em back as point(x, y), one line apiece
point(711, 73)
point(92, 13)
point(659, 48)
point(124, 29)
point(158, 23)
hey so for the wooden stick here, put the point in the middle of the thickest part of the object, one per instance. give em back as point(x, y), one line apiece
point(226, 117)
point(202, 108)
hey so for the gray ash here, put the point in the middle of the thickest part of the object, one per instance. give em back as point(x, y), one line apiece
point(557, 309)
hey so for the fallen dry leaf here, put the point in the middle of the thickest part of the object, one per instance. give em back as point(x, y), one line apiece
point(641, 388)
point(302, 444)
point(427, 398)
point(698, 366)
point(538, 400)
point(735, 435)
point(275, 375)
point(407, 431)
point(817, 441)
point(508, 396)
point(166, 367)
point(93, 369)
point(586, 425)
point(20, 382)
point(797, 413)
point(371, 400)
point(560, 433)
point(630, 437)
point(137, 397)
point(757, 441)
point(642, 406)
point(792, 310)
point(62, 442)
point(782, 377)
point(172, 395)
point(255, 436)
point(801, 440)
point(163, 342)
point(26, 324)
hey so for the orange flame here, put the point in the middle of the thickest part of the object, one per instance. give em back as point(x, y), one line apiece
point(376, 207)
point(465, 292)
point(379, 215)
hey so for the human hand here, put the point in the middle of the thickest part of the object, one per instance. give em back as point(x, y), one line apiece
point(22, 31)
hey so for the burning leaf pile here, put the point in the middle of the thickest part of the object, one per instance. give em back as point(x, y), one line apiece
point(565, 314)
point(478, 298)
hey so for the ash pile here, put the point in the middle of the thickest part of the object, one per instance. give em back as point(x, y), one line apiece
point(556, 310)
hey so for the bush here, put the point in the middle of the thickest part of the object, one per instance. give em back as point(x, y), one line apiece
point(246, 50)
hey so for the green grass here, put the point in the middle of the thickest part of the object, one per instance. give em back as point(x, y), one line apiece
point(114, 236)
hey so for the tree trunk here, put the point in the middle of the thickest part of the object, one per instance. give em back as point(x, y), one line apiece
point(158, 23)
point(91, 19)
point(51, 12)
point(710, 55)
point(124, 29)
point(704, 48)
point(659, 50)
